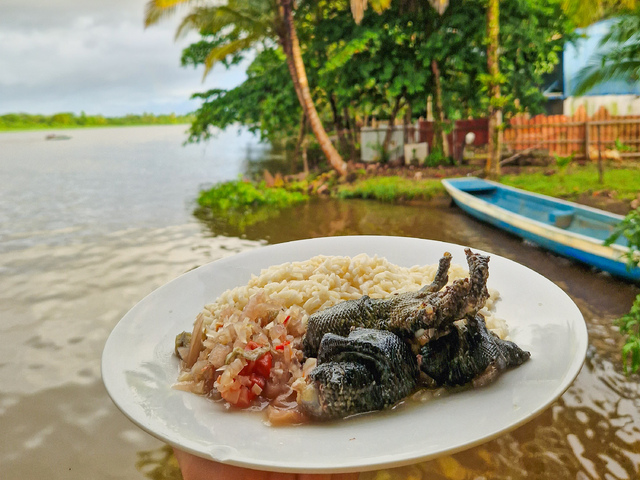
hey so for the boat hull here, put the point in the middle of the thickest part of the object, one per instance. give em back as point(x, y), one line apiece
point(555, 237)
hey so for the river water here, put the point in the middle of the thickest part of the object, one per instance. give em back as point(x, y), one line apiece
point(90, 225)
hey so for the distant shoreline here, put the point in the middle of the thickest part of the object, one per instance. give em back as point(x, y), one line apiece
point(13, 122)
point(81, 127)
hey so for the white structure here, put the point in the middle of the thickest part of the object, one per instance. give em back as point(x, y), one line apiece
point(372, 138)
point(417, 152)
point(615, 104)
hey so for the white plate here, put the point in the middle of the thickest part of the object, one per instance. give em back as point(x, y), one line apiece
point(138, 369)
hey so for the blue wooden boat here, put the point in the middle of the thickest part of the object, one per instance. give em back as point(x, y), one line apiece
point(567, 228)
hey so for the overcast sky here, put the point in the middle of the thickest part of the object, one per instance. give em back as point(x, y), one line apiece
point(95, 56)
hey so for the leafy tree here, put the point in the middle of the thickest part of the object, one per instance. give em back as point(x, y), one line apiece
point(383, 66)
point(265, 102)
point(237, 26)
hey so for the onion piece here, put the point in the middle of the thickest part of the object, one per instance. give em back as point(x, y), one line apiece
point(196, 342)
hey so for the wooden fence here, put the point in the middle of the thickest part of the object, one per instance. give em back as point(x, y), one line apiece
point(601, 136)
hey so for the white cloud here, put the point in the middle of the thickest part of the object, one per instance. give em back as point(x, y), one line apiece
point(74, 55)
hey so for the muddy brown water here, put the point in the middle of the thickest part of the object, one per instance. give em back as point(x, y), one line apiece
point(74, 258)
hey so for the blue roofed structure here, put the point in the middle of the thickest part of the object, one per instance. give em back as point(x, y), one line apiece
point(618, 96)
point(575, 57)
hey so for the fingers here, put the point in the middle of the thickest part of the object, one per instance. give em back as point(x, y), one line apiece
point(328, 476)
point(197, 468)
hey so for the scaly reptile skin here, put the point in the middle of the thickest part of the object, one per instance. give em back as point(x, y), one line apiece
point(430, 309)
point(469, 353)
point(370, 352)
point(368, 370)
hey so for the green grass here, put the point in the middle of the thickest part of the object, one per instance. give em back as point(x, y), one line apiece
point(240, 195)
point(391, 189)
point(575, 181)
point(240, 203)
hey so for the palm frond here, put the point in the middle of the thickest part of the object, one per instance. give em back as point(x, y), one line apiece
point(156, 10)
point(213, 20)
point(219, 53)
point(619, 57)
point(601, 69)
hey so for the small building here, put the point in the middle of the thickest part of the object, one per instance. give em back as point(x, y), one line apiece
point(618, 97)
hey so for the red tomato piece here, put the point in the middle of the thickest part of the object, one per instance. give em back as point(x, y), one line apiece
point(244, 398)
point(258, 380)
point(248, 368)
point(263, 365)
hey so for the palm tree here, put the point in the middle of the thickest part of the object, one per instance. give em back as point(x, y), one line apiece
point(620, 56)
point(242, 24)
point(492, 167)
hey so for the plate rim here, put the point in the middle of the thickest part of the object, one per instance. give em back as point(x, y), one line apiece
point(581, 335)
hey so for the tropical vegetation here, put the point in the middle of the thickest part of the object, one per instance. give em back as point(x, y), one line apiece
point(629, 324)
point(236, 26)
point(312, 68)
point(385, 67)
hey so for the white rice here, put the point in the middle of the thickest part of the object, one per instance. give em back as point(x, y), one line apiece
point(272, 312)
point(324, 281)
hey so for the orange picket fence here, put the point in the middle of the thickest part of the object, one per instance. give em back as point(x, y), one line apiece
point(599, 136)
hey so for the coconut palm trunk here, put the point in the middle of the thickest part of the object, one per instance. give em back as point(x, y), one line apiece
point(492, 168)
point(292, 48)
point(439, 135)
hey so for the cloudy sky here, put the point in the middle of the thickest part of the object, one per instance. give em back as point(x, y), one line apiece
point(95, 56)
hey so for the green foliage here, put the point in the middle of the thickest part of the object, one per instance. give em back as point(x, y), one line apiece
point(25, 121)
point(391, 189)
point(563, 161)
point(265, 102)
point(532, 37)
point(364, 70)
point(629, 325)
point(241, 203)
point(621, 147)
point(240, 195)
point(230, 29)
point(586, 12)
point(629, 228)
point(435, 158)
point(382, 155)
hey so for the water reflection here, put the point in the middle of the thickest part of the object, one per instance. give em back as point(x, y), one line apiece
point(159, 464)
point(77, 253)
point(592, 431)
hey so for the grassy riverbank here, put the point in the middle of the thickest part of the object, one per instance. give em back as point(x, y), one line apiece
point(620, 183)
point(579, 183)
